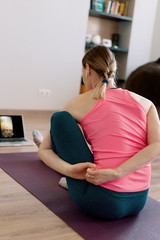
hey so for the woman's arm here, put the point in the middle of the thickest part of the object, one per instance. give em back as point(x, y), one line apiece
point(52, 160)
point(139, 160)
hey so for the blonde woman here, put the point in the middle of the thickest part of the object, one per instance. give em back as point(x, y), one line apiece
point(111, 180)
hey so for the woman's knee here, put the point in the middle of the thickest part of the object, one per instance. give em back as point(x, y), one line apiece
point(60, 119)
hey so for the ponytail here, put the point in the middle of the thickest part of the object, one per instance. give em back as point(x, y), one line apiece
point(99, 91)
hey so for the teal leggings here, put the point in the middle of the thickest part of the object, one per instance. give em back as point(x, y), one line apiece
point(68, 142)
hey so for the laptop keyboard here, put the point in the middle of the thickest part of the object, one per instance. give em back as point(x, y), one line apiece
point(12, 140)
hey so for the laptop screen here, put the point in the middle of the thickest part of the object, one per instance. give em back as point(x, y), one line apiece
point(11, 126)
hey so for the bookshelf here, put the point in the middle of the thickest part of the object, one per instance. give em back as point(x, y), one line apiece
point(109, 16)
point(105, 25)
point(122, 50)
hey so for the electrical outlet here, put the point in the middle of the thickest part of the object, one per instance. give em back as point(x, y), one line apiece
point(44, 92)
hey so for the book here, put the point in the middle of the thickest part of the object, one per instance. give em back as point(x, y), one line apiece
point(105, 4)
point(97, 5)
point(125, 9)
point(108, 6)
point(117, 8)
point(121, 9)
point(113, 7)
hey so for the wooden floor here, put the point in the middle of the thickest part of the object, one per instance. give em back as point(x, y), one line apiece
point(22, 216)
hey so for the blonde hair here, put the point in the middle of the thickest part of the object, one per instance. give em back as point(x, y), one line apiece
point(101, 60)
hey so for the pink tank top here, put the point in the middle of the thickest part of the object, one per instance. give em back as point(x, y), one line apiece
point(116, 130)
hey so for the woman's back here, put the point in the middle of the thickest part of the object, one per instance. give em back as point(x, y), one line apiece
point(116, 128)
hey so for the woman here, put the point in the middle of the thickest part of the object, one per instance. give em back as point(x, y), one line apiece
point(112, 180)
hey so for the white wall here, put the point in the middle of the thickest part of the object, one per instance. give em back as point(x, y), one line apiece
point(141, 34)
point(41, 46)
point(155, 49)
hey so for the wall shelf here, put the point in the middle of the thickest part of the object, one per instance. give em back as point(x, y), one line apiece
point(107, 15)
point(124, 50)
point(113, 49)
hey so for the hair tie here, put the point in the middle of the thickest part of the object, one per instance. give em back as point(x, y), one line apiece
point(105, 81)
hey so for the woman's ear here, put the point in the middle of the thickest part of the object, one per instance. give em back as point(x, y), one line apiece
point(88, 69)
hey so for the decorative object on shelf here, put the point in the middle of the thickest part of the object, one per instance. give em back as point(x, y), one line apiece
point(107, 42)
point(96, 39)
point(115, 40)
point(92, 41)
point(88, 38)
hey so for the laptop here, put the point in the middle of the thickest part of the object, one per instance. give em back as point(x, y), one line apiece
point(12, 131)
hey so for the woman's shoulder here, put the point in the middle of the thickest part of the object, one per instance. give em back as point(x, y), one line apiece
point(78, 99)
point(146, 103)
point(77, 105)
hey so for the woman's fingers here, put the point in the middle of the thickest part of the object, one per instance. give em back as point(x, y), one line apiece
point(90, 177)
point(91, 171)
point(91, 165)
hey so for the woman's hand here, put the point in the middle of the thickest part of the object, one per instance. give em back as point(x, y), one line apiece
point(79, 170)
point(98, 176)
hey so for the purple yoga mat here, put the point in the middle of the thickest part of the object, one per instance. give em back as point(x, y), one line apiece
point(42, 182)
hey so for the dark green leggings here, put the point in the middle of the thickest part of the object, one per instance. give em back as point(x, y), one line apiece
point(68, 142)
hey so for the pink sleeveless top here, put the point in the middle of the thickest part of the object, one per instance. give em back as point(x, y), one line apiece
point(116, 130)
